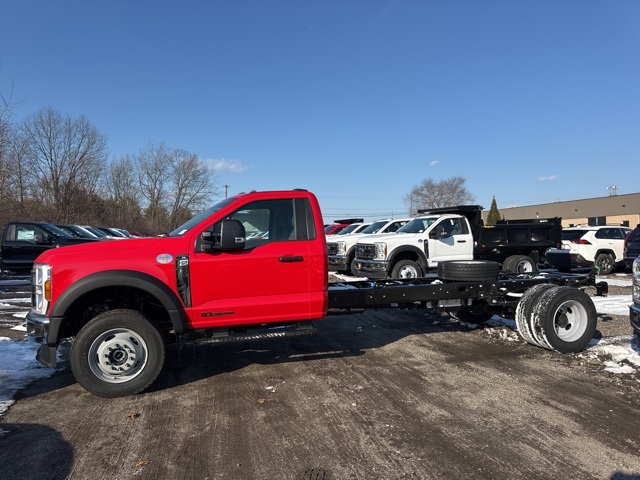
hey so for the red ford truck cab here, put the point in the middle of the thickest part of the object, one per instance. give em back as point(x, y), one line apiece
point(122, 301)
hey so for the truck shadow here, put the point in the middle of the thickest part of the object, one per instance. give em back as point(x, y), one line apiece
point(338, 337)
point(33, 451)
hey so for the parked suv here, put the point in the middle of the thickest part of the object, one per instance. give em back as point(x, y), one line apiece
point(600, 246)
point(632, 246)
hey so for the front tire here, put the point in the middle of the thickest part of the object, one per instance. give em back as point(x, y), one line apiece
point(406, 269)
point(118, 353)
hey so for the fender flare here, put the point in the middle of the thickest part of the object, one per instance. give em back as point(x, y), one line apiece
point(125, 278)
point(412, 249)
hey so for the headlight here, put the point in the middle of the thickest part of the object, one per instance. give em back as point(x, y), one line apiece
point(342, 249)
point(41, 287)
point(381, 251)
point(636, 280)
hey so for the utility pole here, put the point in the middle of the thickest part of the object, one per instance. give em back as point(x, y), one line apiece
point(226, 190)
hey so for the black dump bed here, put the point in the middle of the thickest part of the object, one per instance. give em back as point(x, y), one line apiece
point(518, 235)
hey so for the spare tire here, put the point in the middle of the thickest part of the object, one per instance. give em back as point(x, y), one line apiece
point(468, 270)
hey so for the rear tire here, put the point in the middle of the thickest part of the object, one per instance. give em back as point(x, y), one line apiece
point(605, 263)
point(524, 310)
point(468, 270)
point(519, 264)
point(117, 353)
point(406, 269)
point(564, 319)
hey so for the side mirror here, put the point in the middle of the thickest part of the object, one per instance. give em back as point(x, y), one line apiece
point(226, 235)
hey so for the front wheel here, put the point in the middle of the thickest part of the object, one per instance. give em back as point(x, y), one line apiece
point(117, 353)
point(406, 269)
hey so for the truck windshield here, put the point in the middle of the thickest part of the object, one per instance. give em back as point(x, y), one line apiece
point(185, 227)
point(417, 225)
point(57, 232)
point(374, 227)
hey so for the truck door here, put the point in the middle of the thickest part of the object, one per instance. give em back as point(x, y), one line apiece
point(268, 280)
point(450, 239)
point(23, 242)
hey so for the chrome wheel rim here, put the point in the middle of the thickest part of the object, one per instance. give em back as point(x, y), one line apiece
point(570, 321)
point(118, 355)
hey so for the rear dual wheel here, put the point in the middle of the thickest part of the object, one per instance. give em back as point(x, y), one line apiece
point(556, 318)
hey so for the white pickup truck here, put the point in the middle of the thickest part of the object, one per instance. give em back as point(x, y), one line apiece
point(341, 248)
point(455, 233)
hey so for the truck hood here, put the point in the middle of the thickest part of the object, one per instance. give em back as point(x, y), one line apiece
point(389, 237)
point(111, 248)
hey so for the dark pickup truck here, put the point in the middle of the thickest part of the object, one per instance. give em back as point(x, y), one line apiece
point(22, 242)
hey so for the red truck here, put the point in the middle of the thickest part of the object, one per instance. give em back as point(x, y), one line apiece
point(212, 280)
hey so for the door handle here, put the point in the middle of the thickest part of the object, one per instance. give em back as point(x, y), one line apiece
point(290, 259)
point(461, 241)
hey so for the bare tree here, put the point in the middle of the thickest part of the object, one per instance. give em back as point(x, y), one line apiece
point(123, 193)
point(153, 169)
point(174, 183)
point(192, 186)
point(66, 157)
point(444, 193)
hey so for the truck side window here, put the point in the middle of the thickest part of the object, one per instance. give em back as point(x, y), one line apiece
point(25, 233)
point(268, 221)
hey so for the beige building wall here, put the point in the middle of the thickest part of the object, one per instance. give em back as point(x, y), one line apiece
point(612, 210)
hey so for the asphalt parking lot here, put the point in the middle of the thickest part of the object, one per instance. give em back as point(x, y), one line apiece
point(384, 394)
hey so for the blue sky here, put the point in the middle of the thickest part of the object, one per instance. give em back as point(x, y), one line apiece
point(357, 101)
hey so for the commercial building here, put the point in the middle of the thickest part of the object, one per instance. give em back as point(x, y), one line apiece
point(612, 210)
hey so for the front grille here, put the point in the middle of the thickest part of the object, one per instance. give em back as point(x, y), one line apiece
point(366, 252)
point(332, 248)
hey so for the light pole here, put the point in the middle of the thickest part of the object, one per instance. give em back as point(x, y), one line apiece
point(226, 190)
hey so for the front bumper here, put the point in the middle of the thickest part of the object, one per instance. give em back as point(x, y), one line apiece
point(337, 263)
point(39, 328)
point(372, 269)
point(567, 260)
point(634, 317)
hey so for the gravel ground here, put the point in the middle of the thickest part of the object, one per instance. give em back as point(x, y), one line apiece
point(384, 394)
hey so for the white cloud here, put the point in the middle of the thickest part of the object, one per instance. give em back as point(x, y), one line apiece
point(224, 165)
point(434, 163)
point(549, 178)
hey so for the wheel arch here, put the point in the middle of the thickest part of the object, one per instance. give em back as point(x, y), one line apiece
point(409, 253)
point(124, 285)
point(608, 251)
